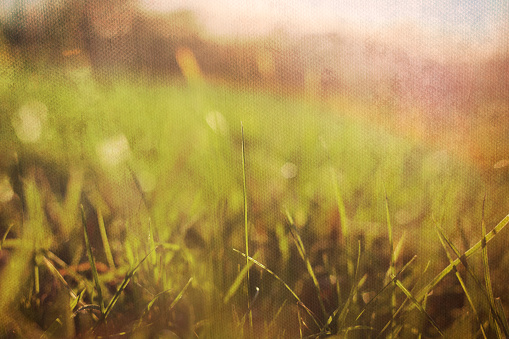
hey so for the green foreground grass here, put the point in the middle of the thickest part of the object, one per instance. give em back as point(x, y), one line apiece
point(132, 209)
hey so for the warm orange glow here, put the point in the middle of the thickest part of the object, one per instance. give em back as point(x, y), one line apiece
point(71, 52)
point(265, 64)
point(187, 63)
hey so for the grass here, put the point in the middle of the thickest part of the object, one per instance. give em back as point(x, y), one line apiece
point(151, 211)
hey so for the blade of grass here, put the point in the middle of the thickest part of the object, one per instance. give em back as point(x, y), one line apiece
point(418, 306)
point(480, 244)
point(121, 288)
point(276, 316)
point(501, 312)
point(353, 292)
point(181, 294)
point(424, 303)
point(59, 277)
point(5, 235)
point(463, 261)
point(356, 328)
point(52, 329)
point(263, 267)
point(487, 279)
point(400, 308)
point(299, 318)
point(385, 286)
point(460, 280)
point(246, 225)
point(104, 237)
point(238, 281)
point(345, 230)
point(302, 251)
point(91, 260)
point(392, 268)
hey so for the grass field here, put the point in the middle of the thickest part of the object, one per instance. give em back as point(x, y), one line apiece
point(128, 210)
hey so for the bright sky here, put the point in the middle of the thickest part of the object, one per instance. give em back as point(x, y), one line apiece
point(472, 28)
point(466, 17)
point(482, 25)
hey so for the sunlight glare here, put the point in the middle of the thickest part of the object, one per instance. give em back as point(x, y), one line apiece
point(29, 121)
point(113, 151)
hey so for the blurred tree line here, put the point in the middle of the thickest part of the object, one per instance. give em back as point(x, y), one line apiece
point(115, 37)
point(118, 38)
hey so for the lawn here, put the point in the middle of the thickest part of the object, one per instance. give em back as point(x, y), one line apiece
point(127, 210)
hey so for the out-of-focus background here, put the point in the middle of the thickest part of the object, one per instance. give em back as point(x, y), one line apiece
point(437, 71)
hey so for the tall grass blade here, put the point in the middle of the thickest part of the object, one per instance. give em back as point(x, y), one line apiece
point(52, 329)
point(121, 289)
point(418, 306)
point(503, 317)
point(59, 277)
point(238, 281)
point(472, 275)
point(487, 278)
point(302, 251)
point(345, 230)
point(480, 244)
point(246, 225)
point(263, 267)
point(400, 308)
point(424, 303)
point(5, 235)
point(91, 260)
point(353, 292)
point(392, 268)
point(391, 282)
point(299, 318)
point(181, 294)
point(276, 316)
point(460, 280)
point(104, 238)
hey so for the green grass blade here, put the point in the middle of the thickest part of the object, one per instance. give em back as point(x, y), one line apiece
point(52, 329)
point(463, 286)
point(121, 288)
point(149, 307)
point(487, 278)
point(5, 235)
point(238, 281)
point(345, 230)
point(181, 294)
point(246, 225)
point(501, 312)
point(472, 275)
point(385, 286)
point(104, 238)
point(263, 267)
point(424, 303)
point(480, 244)
point(401, 307)
point(418, 306)
point(302, 251)
point(91, 260)
point(276, 316)
point(353, 292)
point(392, 268)
point(59, 277)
